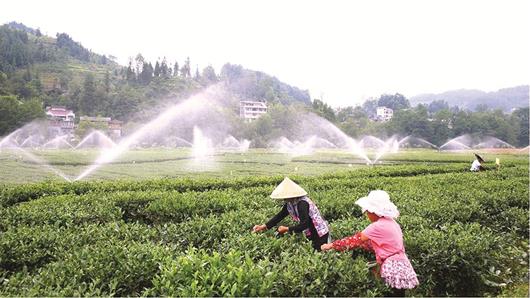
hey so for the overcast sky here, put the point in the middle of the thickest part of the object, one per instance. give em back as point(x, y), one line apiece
point(343, 51)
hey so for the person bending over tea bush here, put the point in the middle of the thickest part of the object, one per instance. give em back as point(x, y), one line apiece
point(476, 166)
point(302, 210)
point(385, 238)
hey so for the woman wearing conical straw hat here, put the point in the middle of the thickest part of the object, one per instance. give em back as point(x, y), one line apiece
point(477, 164)
point(302, 210)
point(385, 238)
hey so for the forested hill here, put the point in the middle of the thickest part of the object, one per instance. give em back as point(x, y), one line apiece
point(38, 70)
point(257, 85)
point(505, 99)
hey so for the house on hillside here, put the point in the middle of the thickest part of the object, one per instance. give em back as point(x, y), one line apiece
point(251, 110)
point(115, 128)
point(384, 114)
point(60, 120)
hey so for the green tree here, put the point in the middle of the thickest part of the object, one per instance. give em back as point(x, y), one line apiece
point(156, 72)
point(139, 59)
point(437, 105)
point(395, 102)
point(353, 121)
point(88, 98)
point(75, 49)
point(15, 51)
point(164, 70)
point(413, 122)
point(3, 84)
point(197, 76)
point(208, 75)
point(441, 125)
point(481, 108)
point(86, 127)
point(258, 131)
point(186, 68)
point(147, 74)
point(24, 89)
point(370, 108)
point(15, 113)
point(129, 73)
point(521, 122)
point(323, 110)
point(176, 69)
point(125, 102)
point(107, 81)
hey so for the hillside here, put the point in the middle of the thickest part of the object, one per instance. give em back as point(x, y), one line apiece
point(60, 71)
point(505, 99)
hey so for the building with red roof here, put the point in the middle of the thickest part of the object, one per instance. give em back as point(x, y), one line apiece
point(60, 120)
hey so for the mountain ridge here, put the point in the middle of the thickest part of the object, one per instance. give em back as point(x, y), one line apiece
point(506, 99)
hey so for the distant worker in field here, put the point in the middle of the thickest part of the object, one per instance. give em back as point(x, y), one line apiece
point(477, 164)
point(384, 237)
point(302, 210)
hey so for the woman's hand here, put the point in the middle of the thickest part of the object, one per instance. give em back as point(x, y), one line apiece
point(326, 246)
point(259, 228)
point(283, 229)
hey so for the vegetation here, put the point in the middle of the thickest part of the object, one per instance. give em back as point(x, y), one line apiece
point(185, 230)
point(506, 99)
point(466, 234)
point(40, 70)
point(15, 167)
point(60, 71)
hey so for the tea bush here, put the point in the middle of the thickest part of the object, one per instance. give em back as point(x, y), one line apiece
point(465, 233)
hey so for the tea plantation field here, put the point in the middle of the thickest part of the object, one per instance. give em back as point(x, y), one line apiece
point(465, 233)
point(141, 164)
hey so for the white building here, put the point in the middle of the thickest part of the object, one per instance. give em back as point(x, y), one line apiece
point(384, 113)
point(251, 110)
point(60, 120)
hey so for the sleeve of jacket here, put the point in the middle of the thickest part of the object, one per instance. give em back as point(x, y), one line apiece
point(352, 242)
point(278, 217)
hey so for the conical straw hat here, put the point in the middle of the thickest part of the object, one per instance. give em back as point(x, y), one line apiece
point(288, 189)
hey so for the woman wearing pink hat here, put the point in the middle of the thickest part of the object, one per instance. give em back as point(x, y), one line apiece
point(302, 210)
point(385, 238)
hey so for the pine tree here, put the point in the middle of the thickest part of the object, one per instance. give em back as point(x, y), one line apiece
point(176, 69)
point(147, 74)
point(139, 63)
point(164, 69)
point(186, 69)
point(88, 103)
point(27, 75)
point(107, 82)
point(129, 73)
point(197, 75)
point(157, 69)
